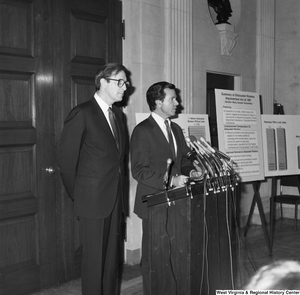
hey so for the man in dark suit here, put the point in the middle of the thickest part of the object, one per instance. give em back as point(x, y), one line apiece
point(151, 147)
point(91, 160)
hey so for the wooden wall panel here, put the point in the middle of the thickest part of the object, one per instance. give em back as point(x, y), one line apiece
point(85, 47)
point(16, 23)
point(16, 103)
point(19, 244)
point(83, 89)
point(16, 170)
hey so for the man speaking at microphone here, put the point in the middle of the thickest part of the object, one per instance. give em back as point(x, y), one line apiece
point(158, 157)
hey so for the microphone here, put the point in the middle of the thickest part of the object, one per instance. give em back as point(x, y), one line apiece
point(218, 165)
point(200, 155)
point(219, 155)
point(191, 152)
point(190, 143)
point(207, 145)
point(166, 176)
point(214, 154)
point(226, 157)
point(193, 139)
point(193, 156)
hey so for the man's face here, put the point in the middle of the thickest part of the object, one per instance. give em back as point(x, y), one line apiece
point(113, 92)
point(169, 104)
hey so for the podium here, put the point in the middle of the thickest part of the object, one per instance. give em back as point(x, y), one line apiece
point(191, 241)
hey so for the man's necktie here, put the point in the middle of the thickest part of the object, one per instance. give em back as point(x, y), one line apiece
point(113, 124)
point(171, 142)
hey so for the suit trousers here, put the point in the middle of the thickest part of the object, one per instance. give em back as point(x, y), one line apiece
point(101, 252)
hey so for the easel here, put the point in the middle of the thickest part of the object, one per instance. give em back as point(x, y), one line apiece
point(257, 200)
point(273, 193)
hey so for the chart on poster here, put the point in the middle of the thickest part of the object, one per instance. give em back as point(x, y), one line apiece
point(239, 131)
point(281, 139)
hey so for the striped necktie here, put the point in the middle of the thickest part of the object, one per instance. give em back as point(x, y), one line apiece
point(170, 137)
point(112, 120)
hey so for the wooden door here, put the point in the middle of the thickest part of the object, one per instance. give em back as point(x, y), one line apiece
point(90, 36)
point(49, 53)
point(27, 196)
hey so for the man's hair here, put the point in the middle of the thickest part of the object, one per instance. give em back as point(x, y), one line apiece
point(108, 70)
point(156, 92)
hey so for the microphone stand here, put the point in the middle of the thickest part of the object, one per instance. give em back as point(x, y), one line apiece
point(166, 181)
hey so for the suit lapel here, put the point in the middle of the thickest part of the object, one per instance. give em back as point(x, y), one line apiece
point(177, 138)
point(159, 135)
point(103, 124)
point(119, 124)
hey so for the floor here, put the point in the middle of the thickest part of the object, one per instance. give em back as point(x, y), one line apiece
point(131, 284)
point(252, 254)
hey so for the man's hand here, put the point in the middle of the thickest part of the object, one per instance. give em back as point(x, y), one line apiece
point(179, 180)
point(196, 174)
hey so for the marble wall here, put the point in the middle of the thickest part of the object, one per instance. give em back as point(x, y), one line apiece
point(287, 60)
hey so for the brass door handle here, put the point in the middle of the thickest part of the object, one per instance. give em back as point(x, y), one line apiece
point(50, 170)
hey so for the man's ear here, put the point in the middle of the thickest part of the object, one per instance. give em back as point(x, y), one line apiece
point(103, 82)
point(158, 103)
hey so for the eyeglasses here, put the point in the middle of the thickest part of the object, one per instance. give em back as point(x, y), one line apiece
point(121, 82)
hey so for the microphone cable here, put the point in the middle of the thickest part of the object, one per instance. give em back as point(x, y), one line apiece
point(204, 244)
point(229, 238)
point(240, 240)
point(170, 248)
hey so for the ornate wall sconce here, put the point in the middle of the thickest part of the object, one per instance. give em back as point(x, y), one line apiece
point(223, 11)
point(227, 36)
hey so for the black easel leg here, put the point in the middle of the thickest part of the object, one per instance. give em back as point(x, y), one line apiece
point(264, 223)
point(250, 216)
point(257, 200)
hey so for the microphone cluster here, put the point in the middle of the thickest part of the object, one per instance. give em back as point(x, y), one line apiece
point(216, 166)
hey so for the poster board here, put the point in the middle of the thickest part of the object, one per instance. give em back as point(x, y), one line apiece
point(281, 141)
point(239, 132)
point(191, 124)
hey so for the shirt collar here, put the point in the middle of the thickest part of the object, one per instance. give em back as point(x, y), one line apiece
point(102, 104)
point(159, 119)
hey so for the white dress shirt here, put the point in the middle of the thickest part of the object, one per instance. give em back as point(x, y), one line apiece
point(161, 123)
point(104, 107)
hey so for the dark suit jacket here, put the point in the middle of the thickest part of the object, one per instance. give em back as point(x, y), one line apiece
point(150, 151)
point(90, 164)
